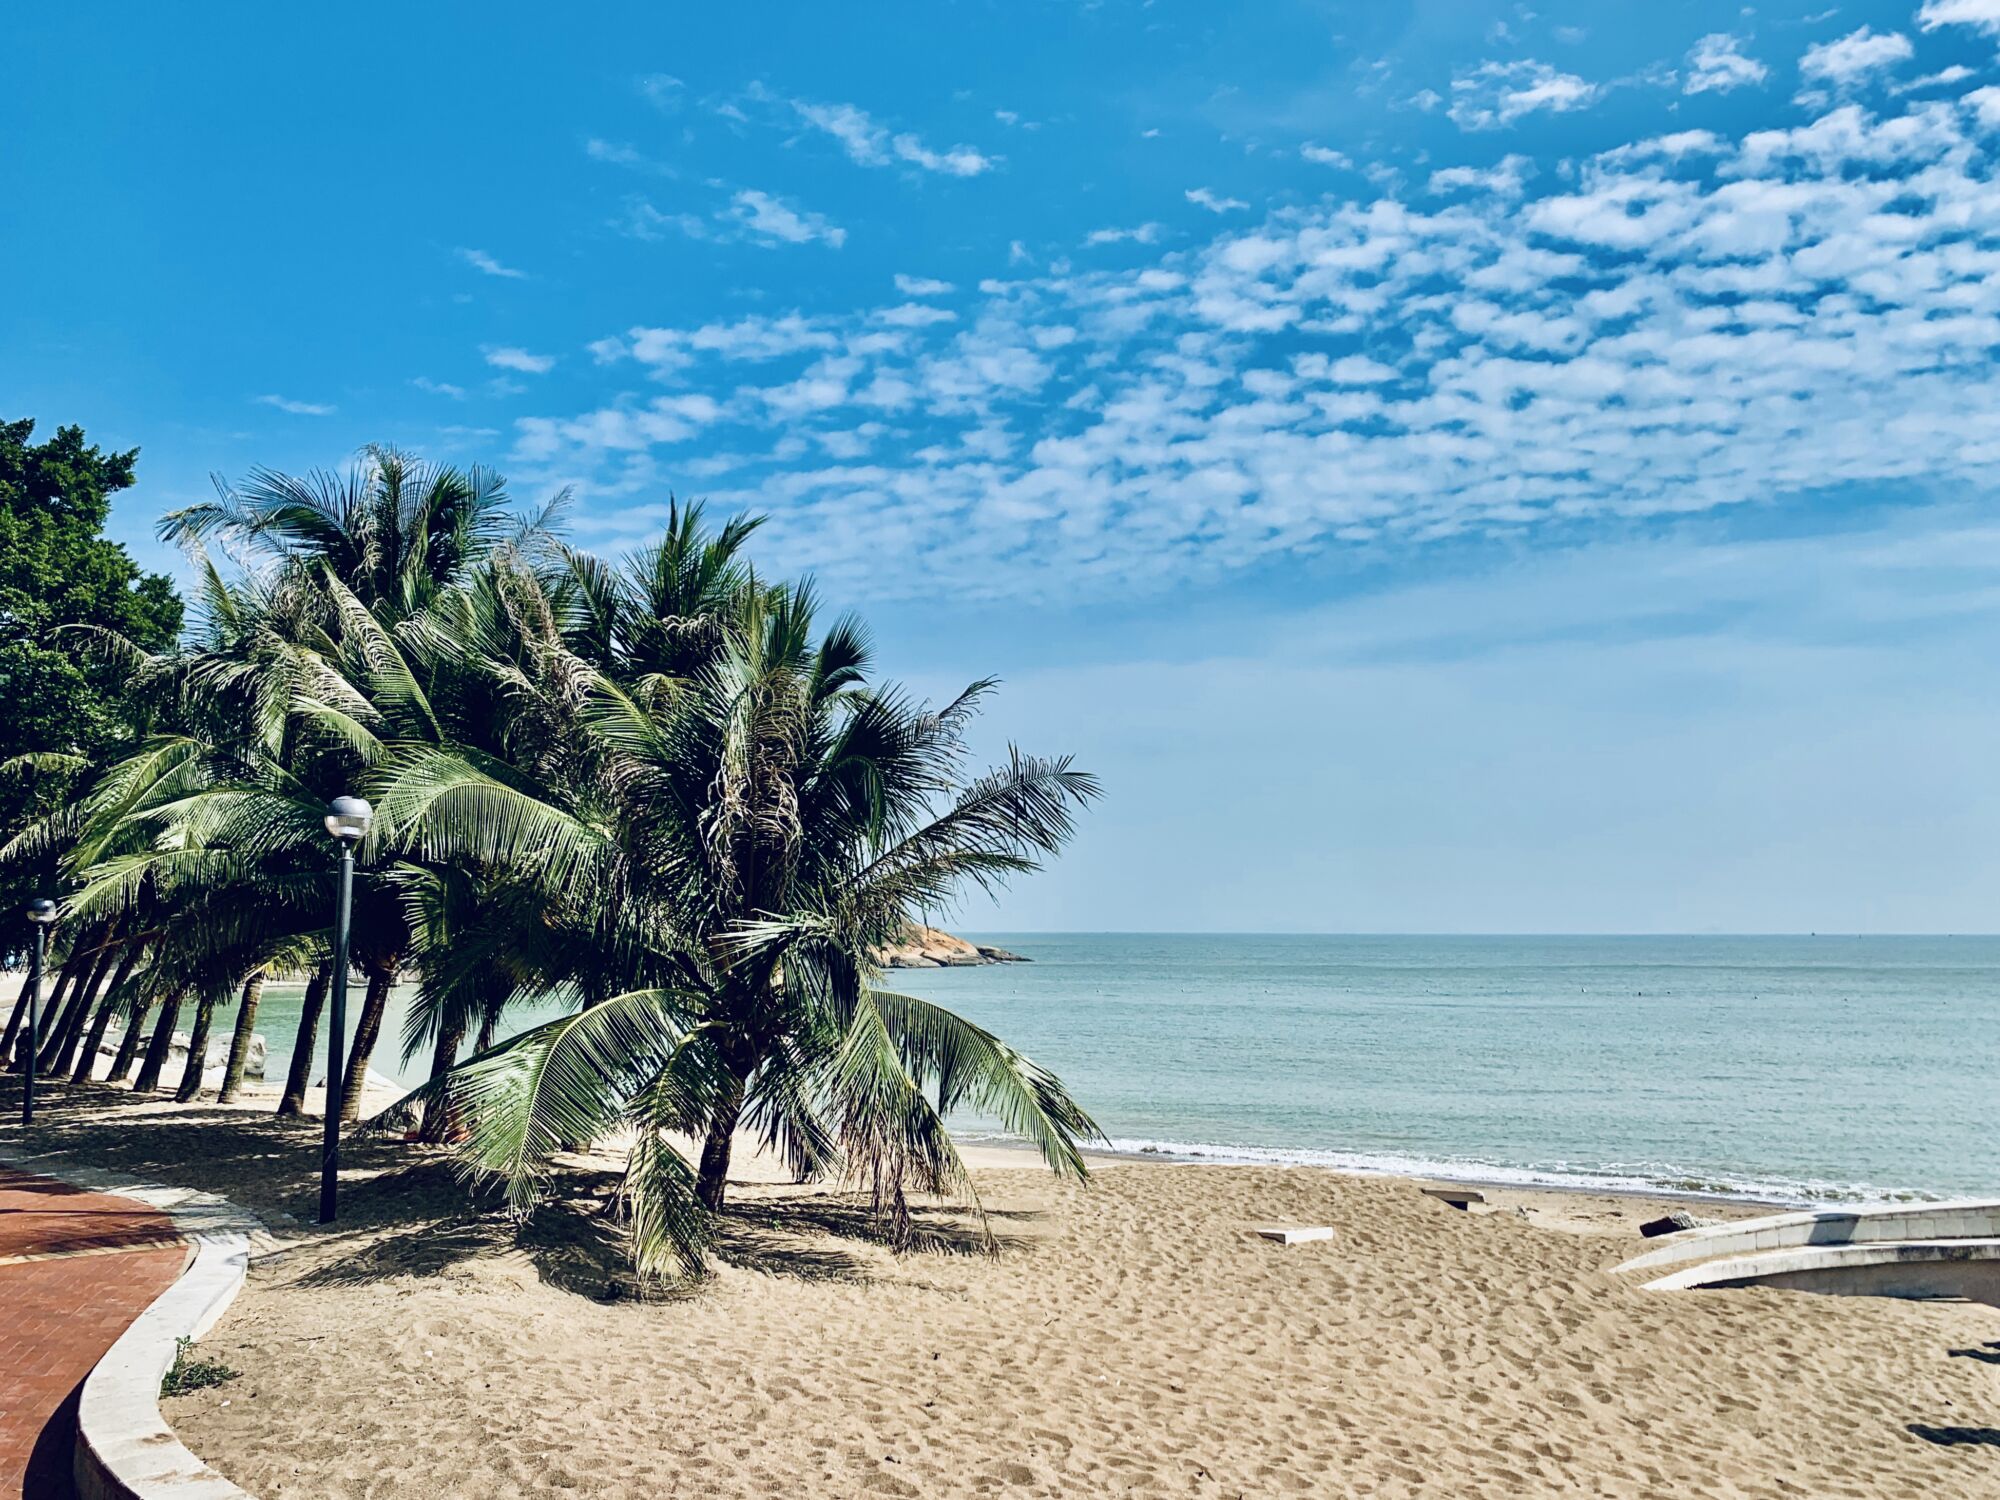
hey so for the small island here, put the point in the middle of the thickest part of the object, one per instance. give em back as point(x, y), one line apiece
point(931, 948)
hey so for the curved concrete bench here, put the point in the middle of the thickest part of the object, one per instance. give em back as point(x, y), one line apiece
point(1825, 1226)
point(1908, 1268)
point(124, 1448)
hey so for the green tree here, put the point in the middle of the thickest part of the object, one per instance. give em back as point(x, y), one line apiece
point(62, 713)
point(704, 863)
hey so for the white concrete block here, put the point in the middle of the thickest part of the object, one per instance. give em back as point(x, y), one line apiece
point(1284, 1234)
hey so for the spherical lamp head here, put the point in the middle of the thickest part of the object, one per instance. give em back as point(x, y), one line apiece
point(41, 911)
point(347, 819)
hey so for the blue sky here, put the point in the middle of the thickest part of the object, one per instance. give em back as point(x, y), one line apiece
point(1448, 466)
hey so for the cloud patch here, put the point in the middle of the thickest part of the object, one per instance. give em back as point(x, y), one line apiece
point(1984, 15)
point(1679, 324)
point(1851, 58)
point(771, 220)
point(870, 144)
point(296, 408)
point(507, 357)
point(1494, 95)
point(1717, 64)
point(1214, 202)
point(488, 265)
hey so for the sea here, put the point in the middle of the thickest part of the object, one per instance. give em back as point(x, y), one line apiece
point(1793, 1069)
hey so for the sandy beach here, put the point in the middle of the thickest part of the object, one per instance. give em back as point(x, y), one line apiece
point(1130, 1338)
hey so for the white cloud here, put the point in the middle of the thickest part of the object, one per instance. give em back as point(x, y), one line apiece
point(296, 408)
point(661, 90)
point(1505, 177)
point(870, 144)
point(1717, 64)
point(1664, 148)
point(1351, 369)
point(1495, 95)
point(507, 357)
point(439, 387)
point(921, 286)
point(771, 219)
point(619, 154)
point(1942, 78)
point(752, 338)
point(479, 260)
point(1854, 56)
point(1985, 104)
point(1143, 234)
point(915, 315)
point(957, 161)
point(1201, 197)
point(1325, 156)
point(1679, 324)
point(639, 220)
point(1983, 14)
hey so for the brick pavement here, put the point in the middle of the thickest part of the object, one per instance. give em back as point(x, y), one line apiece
point(75, 1269)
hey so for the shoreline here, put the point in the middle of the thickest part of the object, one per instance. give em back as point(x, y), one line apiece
point(1113, 1157)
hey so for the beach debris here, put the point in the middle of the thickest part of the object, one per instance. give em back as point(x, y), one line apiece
point(1461, 1198)
point(1292, 1234)
point(1672, 1223)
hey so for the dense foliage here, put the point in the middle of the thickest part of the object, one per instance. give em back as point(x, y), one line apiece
point(62, 714)
point(655, 800)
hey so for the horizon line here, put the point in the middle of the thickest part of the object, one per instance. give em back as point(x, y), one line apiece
point(1442, 933)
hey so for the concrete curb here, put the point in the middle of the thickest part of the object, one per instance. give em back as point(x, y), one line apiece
point(1965, 1219)
point(124, 1448)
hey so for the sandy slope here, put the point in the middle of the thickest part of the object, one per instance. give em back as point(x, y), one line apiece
point(1130, 1340)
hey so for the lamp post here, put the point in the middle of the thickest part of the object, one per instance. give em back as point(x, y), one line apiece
point(41, 912)
point(347, 819)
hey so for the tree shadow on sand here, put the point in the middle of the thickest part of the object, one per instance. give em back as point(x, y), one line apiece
point(788, 1235)
point(407, 1211)
point(570, 1244)
point(1957, 1437)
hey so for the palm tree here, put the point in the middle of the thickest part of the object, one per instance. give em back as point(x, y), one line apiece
point(351, 559)
point(395, 529)
point(715, 857)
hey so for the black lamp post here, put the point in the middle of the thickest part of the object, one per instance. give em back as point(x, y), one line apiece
point(41, 912)
point(347, 819)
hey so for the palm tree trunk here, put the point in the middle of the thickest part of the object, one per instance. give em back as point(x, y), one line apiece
point(75, 969)
point(366, 1034)
point(14, 1025)
point(713, 1185)
point(299, 1075)
point(128, 1045)
point(204, 1015)
point(438, 1113)
point(239, 1043)
point(48, 1003)
point(488, 1023)
point(127, 961)
point(156, 1049)
point(87, 957)
point(60, 1055)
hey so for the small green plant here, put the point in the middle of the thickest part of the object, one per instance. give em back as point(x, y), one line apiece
point(191, 1373)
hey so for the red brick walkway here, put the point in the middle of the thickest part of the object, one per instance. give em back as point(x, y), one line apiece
point(75, 1269)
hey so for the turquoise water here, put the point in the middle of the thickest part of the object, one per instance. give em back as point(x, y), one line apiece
point(1793, 1068)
